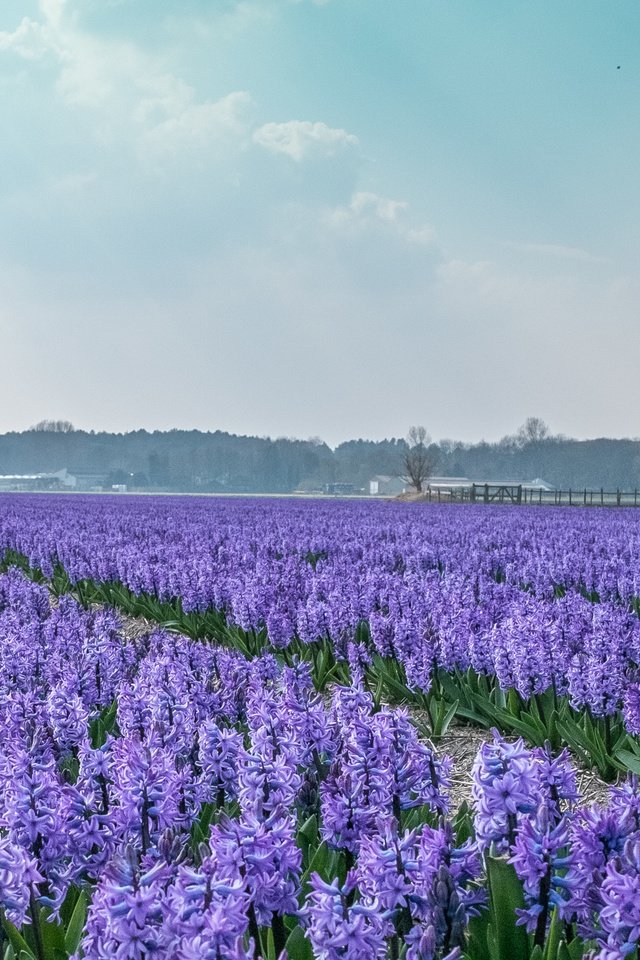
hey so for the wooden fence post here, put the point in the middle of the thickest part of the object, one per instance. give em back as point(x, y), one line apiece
point(602, 496)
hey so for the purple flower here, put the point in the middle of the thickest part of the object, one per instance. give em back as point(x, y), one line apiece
point(19, 881)
point(541, 860)
point(261, 854)
point(341, 928)
point(504, 788)
point(146, 790)
point(220, 750)
point(620, 914)
point(126, 918)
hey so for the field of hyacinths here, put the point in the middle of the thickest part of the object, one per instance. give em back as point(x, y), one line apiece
point(220, 725)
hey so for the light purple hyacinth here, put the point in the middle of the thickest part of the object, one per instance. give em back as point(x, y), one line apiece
point(145, 792)
point(261, 854)
point(126, 919)
point(341, 928)
point(543, 862)
point(19, 881)
point(619, 918)
point(504, 789)
point(417, 775)
point(220, 752)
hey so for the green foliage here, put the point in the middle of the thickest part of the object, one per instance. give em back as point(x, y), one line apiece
point(506, 939)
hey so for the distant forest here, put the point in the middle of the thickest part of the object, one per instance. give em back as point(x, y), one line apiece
point(193, 461)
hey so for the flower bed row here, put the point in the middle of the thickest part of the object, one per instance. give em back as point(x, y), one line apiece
point(168, 798)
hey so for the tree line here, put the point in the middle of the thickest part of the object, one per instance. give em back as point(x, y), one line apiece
point(196, 461)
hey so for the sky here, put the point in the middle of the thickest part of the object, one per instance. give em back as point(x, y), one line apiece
point(334, 219)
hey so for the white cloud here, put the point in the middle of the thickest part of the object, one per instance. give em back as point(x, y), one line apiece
point(559, 251)
point(30, 39)
point(195, 128)
point(368, 211)
point(298, 139)
point(130, 98)
point(127, 95)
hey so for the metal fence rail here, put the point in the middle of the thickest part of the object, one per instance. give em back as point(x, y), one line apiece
point(521, 495)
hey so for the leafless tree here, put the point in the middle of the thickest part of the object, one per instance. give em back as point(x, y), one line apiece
point(533, 430)
point(52, 426)
point(418, 460)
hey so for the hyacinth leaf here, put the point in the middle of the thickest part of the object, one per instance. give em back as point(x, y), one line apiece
point(297, 946)
point(452, 689)
point(268, 944)
point(631, 761)
point(323, 863)
point(554, 935)
point(463, 823)
point(587, 743)
point(507, 940)
point(103, 725)
point(571, 951)
point(75, 927)
point(53, 937)
point(16, 940)
point(309, 829)
point(308, 837)
point(390, 675)
point(446, 713)
point(477, 938)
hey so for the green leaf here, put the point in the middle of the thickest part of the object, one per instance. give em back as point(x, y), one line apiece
point(318, 863)
point(477, 938)
point(298, 947)
point(309, 829)
point(630, 760)
point(76, 925)
point(444, 717)
point(572, 951)
point(552, 942)
point(507, 940)
point(16, 940)
point(270, 945)
point(53, 938)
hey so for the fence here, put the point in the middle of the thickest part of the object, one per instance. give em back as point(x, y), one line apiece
point(522, 495)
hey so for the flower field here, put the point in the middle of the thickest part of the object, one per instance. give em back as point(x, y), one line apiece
point(255, 770)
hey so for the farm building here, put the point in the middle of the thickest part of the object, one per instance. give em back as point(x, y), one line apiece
point(25, 482)
point(464, 483)
point(383, 486)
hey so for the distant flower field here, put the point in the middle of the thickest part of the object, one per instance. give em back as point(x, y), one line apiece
point(254, 770)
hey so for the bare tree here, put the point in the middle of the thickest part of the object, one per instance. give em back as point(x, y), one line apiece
point(52, 426)
point(533, 430)
point(418, 460)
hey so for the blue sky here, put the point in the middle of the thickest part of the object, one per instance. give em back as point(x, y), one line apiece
point(334, 219)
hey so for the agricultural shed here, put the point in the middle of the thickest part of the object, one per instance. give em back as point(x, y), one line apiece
point(384, 486)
